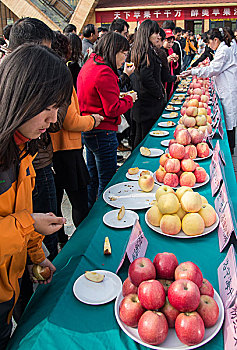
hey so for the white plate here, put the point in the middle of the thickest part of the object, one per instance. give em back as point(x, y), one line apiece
point(93, 293)
point(165, 125)
point(178, 102)
point(135, 197)
point(197, 159)
point(197, 184)
point(155, 152)
point(169, 116)
point(172, 342)
point(172, 110)
point(135, 177)
point(165, 143)
point(161, 134)
point(181, 234)
point(111, 219)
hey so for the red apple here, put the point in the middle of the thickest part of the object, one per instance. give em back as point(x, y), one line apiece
point(130, 310)
point(184, 295)
point(160, 174)
point(200, 174)
point(153, 327)
point(128, 287)
point(183, 137)
point(172, 165)
point(172, 141)
point(190, 328)
point(208, 310)
point(165, 264)
point(140, 270)
point(164, 158)
point(177, 151)
point(178, 128)
point(197, 91)
point(170, 313)
point(151, 294)
point(191, 111)
point(196, 136)
point(196, 97)
point(203, 150)
point(183, 109)
point(187, 179)
point(171, 179)
point(193, 102)
point(189, 122)
point(204, 98)
point(190, 152)
point(189, 270)
point(206, 288)
point(188, 165)
point(166, 284)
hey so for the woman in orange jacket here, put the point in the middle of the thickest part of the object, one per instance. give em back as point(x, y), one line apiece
point(30, 95)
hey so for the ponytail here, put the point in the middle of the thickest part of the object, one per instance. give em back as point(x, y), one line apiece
point(220, 33)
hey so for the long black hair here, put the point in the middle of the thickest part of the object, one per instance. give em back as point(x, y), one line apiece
point(142, 43)
point(32, 78)
point(76, 47)
point(220, 33)
point(109, 45)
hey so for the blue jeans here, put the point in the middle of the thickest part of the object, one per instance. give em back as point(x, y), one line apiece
point(45, 201)
point(101, 155)
point(186, 62)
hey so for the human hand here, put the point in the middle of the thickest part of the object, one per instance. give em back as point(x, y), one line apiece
point(129, 68)
point(133, 94)
point(178, 78)
point(170, 58)
point(45, 263)
point(46, 224)
point(185, 74)
point(98, 119)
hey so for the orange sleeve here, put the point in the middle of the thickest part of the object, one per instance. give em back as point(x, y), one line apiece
point(73, 120)
point(14, 228)
point(192, 46)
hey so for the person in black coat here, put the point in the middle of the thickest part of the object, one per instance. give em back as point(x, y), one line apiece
point(76, 56)
point(146, 80)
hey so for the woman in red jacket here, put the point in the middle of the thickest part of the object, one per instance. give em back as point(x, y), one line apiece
point(98, 93)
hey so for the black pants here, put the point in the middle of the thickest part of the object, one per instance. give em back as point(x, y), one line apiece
point(142, 130)
point(5, 328)
point(231, 139)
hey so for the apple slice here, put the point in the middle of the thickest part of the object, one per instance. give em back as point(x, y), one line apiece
point(145, 151)
point(40, 273)
point(94, 276)
point(121, 213)
point(133, 171)
point(107, 246)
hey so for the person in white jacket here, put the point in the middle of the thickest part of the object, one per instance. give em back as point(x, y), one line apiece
point(224, 71)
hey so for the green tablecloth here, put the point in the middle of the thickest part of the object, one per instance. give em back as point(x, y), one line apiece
point(55, 319)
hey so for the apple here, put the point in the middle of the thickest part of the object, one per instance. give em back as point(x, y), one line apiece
point(202, 111)
point(168, 203)
point(184, 295)
point(128, 287)
point(165, 264)
point(140, 270)
point(172, 141)
point(188, 165)
point(170, 313)
point(196, 97)
point(166, 284)
point(154, 216)
point(181, 213)
point(200, 174)
point(163, 190)
point(130, 310)
point(191, 111)
point(196, 136)
point(170, 224)
point(189, 271)
point(160, 174)
point(193, 224)
point(172, 165)
point(183, 137)
point(177, 129)
point(197, 91)
point(205, 98)
point(146, 183)
point(177, 151)
point(193, 102)
point(151, 294)
point(190, 152)
point(208, 214)
point(209, 127)
point(189, 121)
point(183, 110)
point(153, 327)
point(204, 200)
point(164, 158)
point(206, 288)
point(202, 150)
point(181, 190)
point(41, 273)
point(201, 120)
point(187, 179)
point(171, 179)
point(190, 328)
point(191, 201)
point(208, 310)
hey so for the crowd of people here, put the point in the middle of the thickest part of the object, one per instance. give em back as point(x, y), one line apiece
point(59, 93)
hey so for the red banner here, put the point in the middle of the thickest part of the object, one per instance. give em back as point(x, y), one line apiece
point(171, 14)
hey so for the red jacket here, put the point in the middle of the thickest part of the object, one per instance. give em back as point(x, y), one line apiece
point(98, 92)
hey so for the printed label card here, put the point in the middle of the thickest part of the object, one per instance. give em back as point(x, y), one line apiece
point(215, 174)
